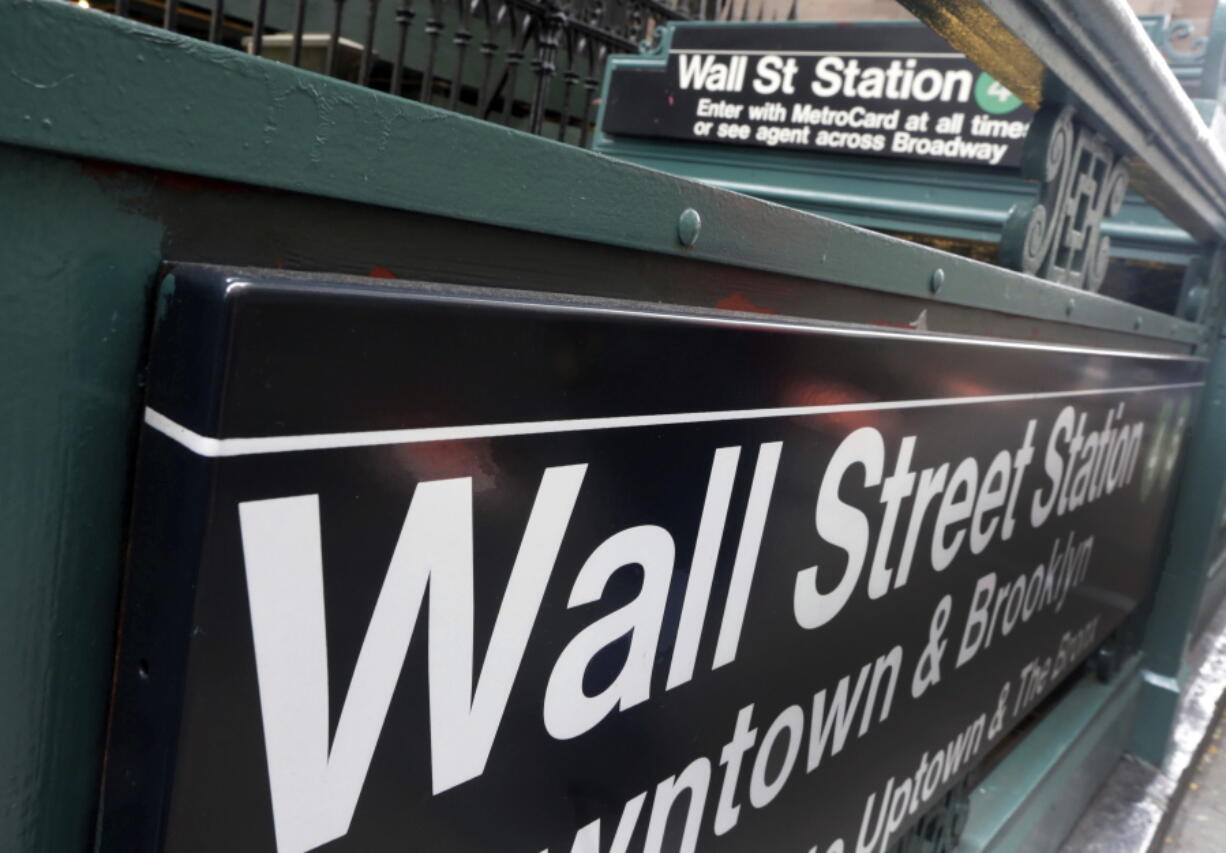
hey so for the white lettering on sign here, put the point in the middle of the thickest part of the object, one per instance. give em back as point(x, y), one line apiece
point(314, 789)
point(775, 74)
point(964, 503)
point(710, 74)
point(1104, 460)
point(931, 106)
point(899, 80)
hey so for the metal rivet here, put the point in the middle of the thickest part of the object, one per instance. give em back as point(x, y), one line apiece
point(688, 227)
point(937, 280)
point(1070, 305)
point(1136, 322)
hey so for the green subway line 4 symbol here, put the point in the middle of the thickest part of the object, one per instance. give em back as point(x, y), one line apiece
point(994, 98)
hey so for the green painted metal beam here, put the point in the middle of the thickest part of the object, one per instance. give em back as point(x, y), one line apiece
point(951, 201)
point(1032, 799)
point(1194, 533)
point(164, 101)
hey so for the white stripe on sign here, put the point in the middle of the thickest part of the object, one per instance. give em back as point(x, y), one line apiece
point(219, 447)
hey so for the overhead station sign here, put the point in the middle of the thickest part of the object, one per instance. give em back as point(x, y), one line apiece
point(880, 89)
point(419, 567)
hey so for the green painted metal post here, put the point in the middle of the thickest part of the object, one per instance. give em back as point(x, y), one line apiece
point(1029, 801)
point(1194, 523)
point(77, 271)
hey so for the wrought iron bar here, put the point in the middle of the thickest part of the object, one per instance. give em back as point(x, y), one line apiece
point(591, 12)
point(488, 48)
point(215, 22)
point(515, 55)
point(372, 13)
point(463, 35)
point(595, 62)
point(170, 15)
point(295, 48)
point(547, 40)
point(637, 22)
point(434, 28)
point(257, 31)
point(404, 17)
point(334, 37)
point(606, 36)
point(569, 78)
point(123, 8)
point(623, 30)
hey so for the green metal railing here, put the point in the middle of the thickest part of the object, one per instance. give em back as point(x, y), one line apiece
point(173, 148)
point(530, 64)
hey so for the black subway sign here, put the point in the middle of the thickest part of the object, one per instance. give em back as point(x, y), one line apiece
point(881, 89)
point(423, 567)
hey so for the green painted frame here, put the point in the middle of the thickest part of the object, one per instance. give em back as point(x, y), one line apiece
point(1032, 799)
point(257, 122)
point(81, 298)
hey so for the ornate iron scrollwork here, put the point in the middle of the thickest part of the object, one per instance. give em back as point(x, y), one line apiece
point(1175, 38)
point(1058, 236)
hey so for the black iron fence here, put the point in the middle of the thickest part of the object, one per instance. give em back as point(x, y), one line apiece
point(532, 64)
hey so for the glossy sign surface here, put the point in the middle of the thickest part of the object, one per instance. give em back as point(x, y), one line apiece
point(422, 567)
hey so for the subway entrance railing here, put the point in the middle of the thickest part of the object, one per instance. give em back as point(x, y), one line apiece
point(390, 477)
point(530, 65)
